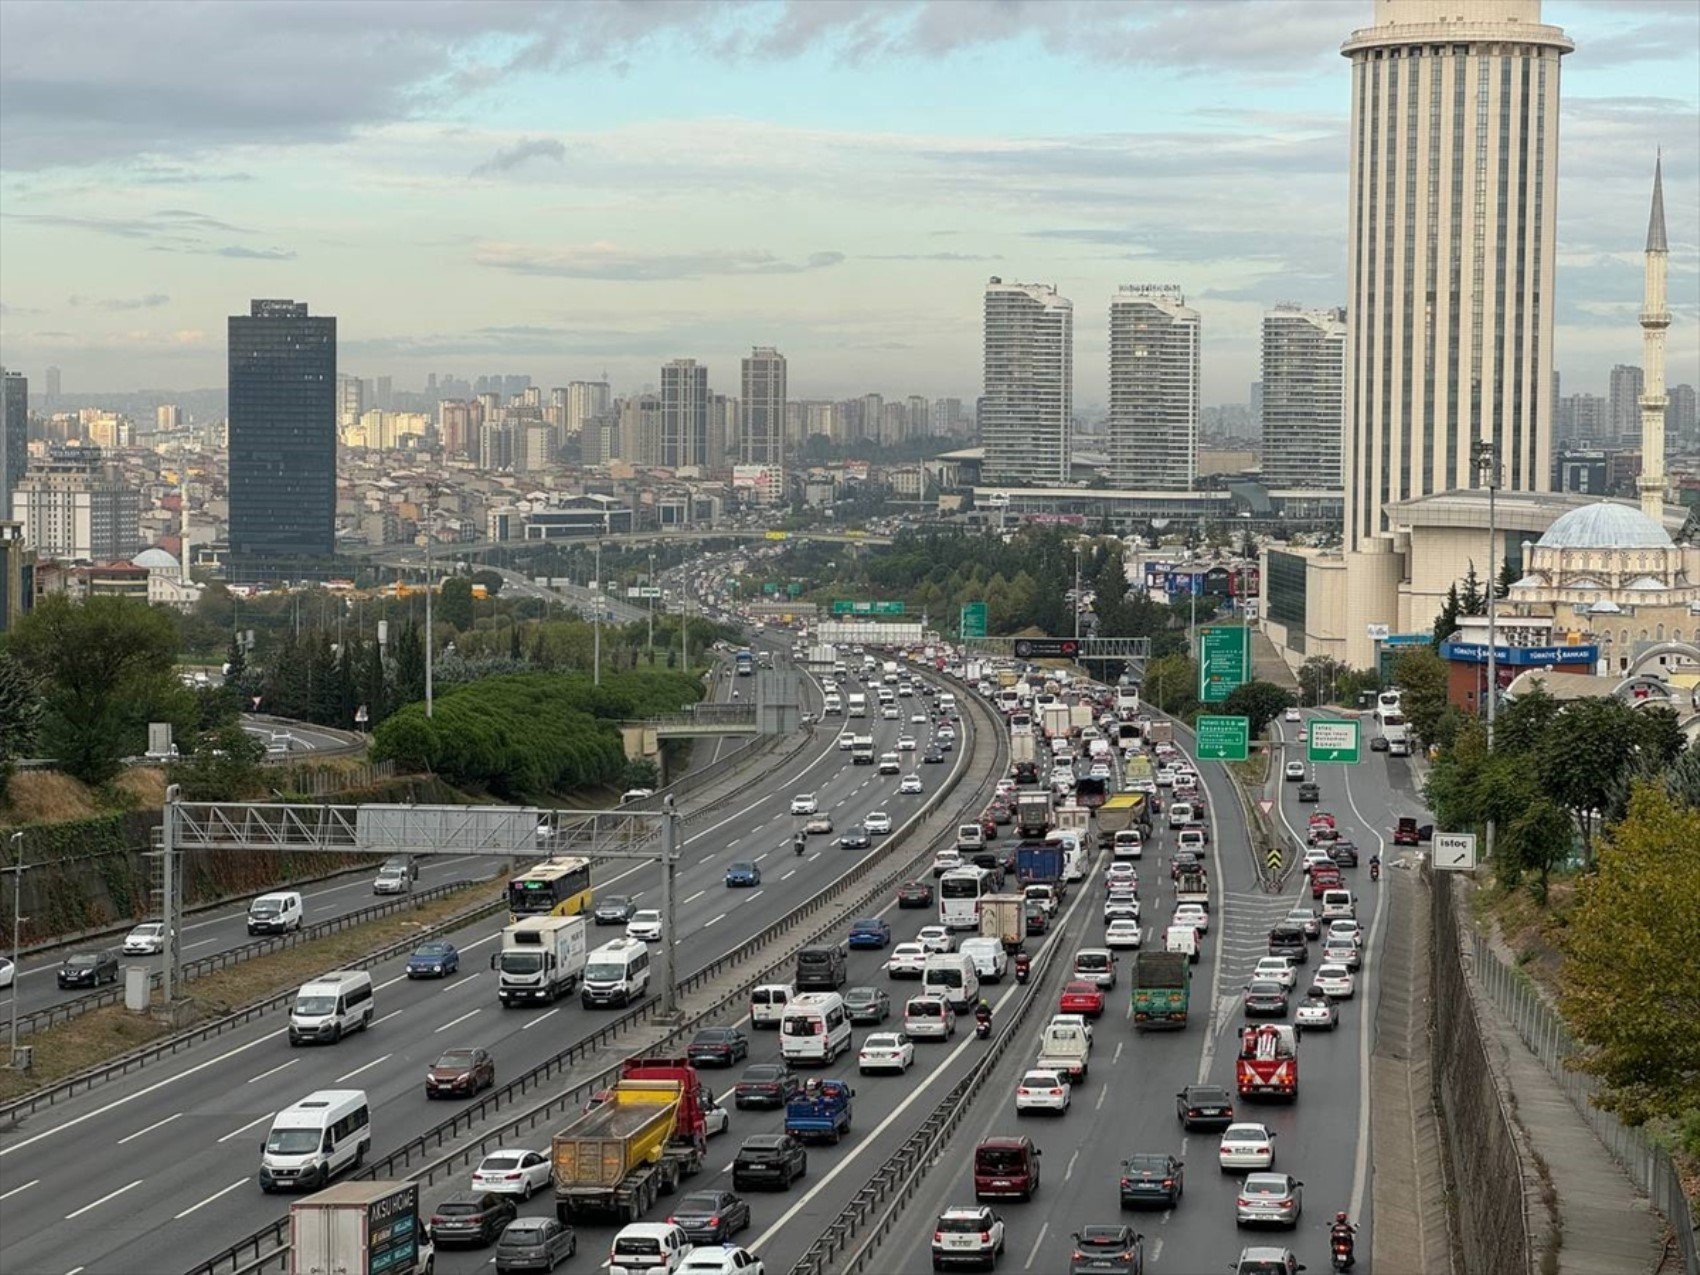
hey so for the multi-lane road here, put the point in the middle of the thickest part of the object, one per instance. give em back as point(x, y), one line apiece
point(148, 1173)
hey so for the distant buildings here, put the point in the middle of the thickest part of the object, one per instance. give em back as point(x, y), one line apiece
point(76, 507)
point(1027, 410)
point(283, 420)
point(1155, 342)
point(14, 433)
point(1624, 404)
point(684, 415)
point(1303, 396)
point(762, 436)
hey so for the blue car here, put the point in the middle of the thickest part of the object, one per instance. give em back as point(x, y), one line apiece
point(435, 959)
point(870, 931)
point(743, 874)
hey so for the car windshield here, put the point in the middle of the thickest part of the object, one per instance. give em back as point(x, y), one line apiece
point(604, 972)
point(292, 1141)
point(1265, 1186)
point(459, 1208)
point(1147, 1164)
point(743, 867)
point(613, 903)
point(314, 1005)
point(646, 917)
point(763, 1073)
point(263, 907)
point(80, 962)
point(146, 931)
point(457, 1058)
point(432, 949)
point(698, 1202)
point(860, 996)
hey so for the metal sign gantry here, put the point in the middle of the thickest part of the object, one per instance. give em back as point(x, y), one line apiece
point(1089, 648)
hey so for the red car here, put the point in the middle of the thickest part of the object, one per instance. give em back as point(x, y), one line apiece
point(1325, 876)
point(1082, 998)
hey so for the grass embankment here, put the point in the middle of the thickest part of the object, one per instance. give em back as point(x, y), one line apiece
point(105, 1033)
point(50, 796)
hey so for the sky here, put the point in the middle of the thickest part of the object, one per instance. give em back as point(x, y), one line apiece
point(493, 186)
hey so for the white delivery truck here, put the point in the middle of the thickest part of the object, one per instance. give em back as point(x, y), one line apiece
point(360, 1228)
point(542, 959)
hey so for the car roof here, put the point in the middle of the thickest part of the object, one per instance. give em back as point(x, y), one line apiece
point(764, 1140)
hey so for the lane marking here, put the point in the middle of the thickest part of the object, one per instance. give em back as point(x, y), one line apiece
point(273, 1071)
point(789, 875)
point(17, 1189)
point(716, 920)
point(1038, 1240)
point(394, 1013)
point(1069, 1171)
point(695, 896)
point(215, 1195)
point(244, 1129)
point(155, 1125)
point(528, 1026)
point(350, 1075)
point(752, 898)
point(469, 1014)
point(189, 947)
point(111, 1195)
point(1360, 1161)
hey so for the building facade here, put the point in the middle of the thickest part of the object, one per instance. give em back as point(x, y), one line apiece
point(1623, 403)
point(761, 436)
point(1027, 409)
point(1155, 342)
point(14, 433)
point(1303, 396)
point(283, 418)
point(684, 414)
point(74, 507)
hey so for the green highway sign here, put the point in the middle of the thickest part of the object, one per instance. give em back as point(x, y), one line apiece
point(1332, 740)
point(844, 606)
point(1223, 738)
point(1224, 661)
point(770, 588)
point(793, 590)
point(974, 620)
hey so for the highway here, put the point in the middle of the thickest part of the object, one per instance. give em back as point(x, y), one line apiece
point(151, 1172)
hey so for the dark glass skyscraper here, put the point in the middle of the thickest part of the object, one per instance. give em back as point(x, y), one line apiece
point(282, 433)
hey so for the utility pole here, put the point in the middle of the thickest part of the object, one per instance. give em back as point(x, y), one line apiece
point(1485, 456)
point(669, 893)
point(430, 493)
point(649, 583)
point(1077, 594)
point(596, 619)
point(17, 870)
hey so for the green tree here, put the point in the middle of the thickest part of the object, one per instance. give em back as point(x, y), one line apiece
point(1171, 682)
point(1505, 579)
point(1319, 681)
point(224, 766)
point(1422, 675)
point(1584, 756)
point(1248, 545)
point(1446, 623)
point(409, 667)
point(454, 603)
point(1538, 838)
point(1470, 597)
point(235, 662)
point(21, 706)
point(1631, 976)
point(1682, 779)
point(1259, 702)
point(491, 580)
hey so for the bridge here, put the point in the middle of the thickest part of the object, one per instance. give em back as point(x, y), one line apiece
point(705, 721)
point(411, 555)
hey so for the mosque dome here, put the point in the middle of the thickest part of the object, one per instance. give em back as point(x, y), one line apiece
point(155, 560)
point(1605, 526)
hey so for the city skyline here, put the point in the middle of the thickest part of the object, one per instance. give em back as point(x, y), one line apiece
point(586, 266)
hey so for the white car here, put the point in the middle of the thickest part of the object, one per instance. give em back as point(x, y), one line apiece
point(877, 822)
point(1121, 903)
point(889, 713)
point(1043, 1091)
point(1277, 969)
point(512, 1172)
point(911, 786)
point(645, 925)
point(1121, 876)
point(946, 861)
point(1246, 1146)
point(1345, 928)
point(918, 719)
point(1077, 1021)
point(1318, 1013)
point(935, 938)
point(8, 971)
point(1165, 777)
point(846, 742)
point(1314, 856)
point(1295, 771)
point(1335, 981)
point(885, 1051)
point(1193, 914)
point(1122, 932)
point(1342, 951)
point(1100, 770)
point(1004, 787)
point(803, 804)
point(968, 1233)
point(905, 743)
point(907, 960)
point(1292, 715)
point(729, 1260)
point(145, 940)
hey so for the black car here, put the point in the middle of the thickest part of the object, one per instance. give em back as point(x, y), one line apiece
point(1152, 1178)
point(472, 1217)
point(710, 1217)
point(866, 1005)
point(1204, 1107)
point(1288, 938)
point(1378, 743)
point(1310, 792)
point(1038, 920)
point(1107, 1248)
point(855, 838)
point(765, 1085)
point(534, 1244)
point(769, 1159)
point(933, 756)
point(1344, 853)
point(717, 1047)
point(915, 894)
point(1265, 998)
point(614, 909)
point(88, 969)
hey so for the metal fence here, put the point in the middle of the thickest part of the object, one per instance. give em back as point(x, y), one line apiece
point(1544, 1033)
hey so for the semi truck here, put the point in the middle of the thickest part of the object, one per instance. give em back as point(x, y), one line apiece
point(1268, 1065)
point(638, 1143)
point(1004, 917)
point(1162, 986)
point(821, 1113)
point(1033, 814)
point(541, 959)
point(359, 1228)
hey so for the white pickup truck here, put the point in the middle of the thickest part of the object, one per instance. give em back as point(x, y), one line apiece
point(1067, 1048)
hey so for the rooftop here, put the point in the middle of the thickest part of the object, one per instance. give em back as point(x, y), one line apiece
point(1605, 525)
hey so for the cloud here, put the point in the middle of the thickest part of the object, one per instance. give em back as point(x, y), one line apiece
point(511, 157)
point(254, 254)
point(150, 301)
point(604, 260)
point(929, 256)
point(169, 225)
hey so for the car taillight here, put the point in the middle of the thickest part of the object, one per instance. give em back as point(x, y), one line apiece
point(938, 1237)
point(1127, 1181)
point(1243, 1202)
point(713, 1221)
point(985, 1237)
point(1168, 1181)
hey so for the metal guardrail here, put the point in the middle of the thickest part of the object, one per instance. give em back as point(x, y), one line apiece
point(255, 1252)
point(1543, 1031)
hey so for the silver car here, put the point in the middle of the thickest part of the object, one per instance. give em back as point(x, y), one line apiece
point(1269, 1199)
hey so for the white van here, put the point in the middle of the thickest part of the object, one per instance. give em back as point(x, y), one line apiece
point(952, 975)
point(768, 1002)
point(814, 1028)
point(275, 913)
point(331, 1006)
point(311, 1142)
point(832, 703)
point(648, 1248)
point(1182, 938)
point(928, 1018)
point(1181, 813)
point(1338, 905)
point(616, 973)
point(991, 962)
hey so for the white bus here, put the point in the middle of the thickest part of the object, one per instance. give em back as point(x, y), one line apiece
point(960, 892)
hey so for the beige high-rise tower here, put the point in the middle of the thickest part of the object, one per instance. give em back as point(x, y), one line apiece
point(1453, 208)
point(1655, 319)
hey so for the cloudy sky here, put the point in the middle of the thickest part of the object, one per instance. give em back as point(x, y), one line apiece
point(496, 186)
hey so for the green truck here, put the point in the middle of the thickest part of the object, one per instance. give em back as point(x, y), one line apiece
point(1162, 985)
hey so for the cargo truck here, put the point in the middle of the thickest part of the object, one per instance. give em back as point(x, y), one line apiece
point(359, 1228)
point(542, 959)
point(1004, 917)
point(1054, 720)
point(1124, 812)
point(1091, 792)
point(1161, 732)
point(1192, 886)
point(820, 1113)
point(862, 750)
point(1040, 864)
point(1162, 983)
point(635, 1145)
point(1065, 1047)
point(1033, 814)
point(1080, 716)
point(1268, 1065)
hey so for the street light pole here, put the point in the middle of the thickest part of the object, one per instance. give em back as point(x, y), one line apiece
point(596, 619)
point(1486, 457)
point(649, 584)
point(1077, 595)
point(17, 871)
point(429, 642)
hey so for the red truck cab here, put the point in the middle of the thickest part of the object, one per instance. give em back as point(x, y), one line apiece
point(1268, 1065)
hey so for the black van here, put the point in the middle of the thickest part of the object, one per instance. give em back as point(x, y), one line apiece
point(821, 969)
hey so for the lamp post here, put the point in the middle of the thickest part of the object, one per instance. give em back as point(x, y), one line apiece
point(17, 871)
point(649, 582)
point(1077, 595)
point(596, 619)
point(1484, 455)
point(430, 511)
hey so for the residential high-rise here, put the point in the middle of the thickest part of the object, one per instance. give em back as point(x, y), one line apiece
point(1154, 389)
point(14, 433)
point(920, 415)
point(75, 507)
point(761, 439)
point(873, 415)
point(282, 432)
point(53, 379)
point(1623, 403)
point(586, 400)
point(1655, 321)
point(1453, 202)
point(946, 416)
point(1303, 396)
point(1027, 410)
point(1580, 418)
point(1682, 421)
point(351, 402)
point(725, 415)
point(167, 417)
point(684, 414)
point(894, 424)
point(640, 429)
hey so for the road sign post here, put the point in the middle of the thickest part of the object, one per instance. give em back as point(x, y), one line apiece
point(1224, 661)
point(1454, 851)
point(1046, 648)
point(1223, 738)
point(1332, 740)
point(849, 606)
point(973, 623)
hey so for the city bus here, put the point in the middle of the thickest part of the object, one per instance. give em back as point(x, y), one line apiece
point(960, 892)
point(557, 887)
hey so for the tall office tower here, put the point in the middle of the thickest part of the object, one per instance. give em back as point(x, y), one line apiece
point(457, 425)
point(1453, 202)
point(873, 415)
point(1682, 422)
point(761, 440)
point(556, 412)
point(585, 400)
point(53, 379)
point(1255, 409)
point(167, 417)
point(495, 446)
point(894, 424)
point(1623, 403)
point(282, 432)
point(920, 415)
point(1154, 391)
point(1303, 393)
point(385, 393)
point(1655, 321)
point(14, 434)
point(1027, 411)
point(72, 506)
point(725, 416)
point(684, 414)
point(1580, 418)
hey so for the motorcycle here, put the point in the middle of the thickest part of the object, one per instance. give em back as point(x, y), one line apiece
point(1023, 968)
point(982, 1029)
point(1375, 869)
point(800, 845)
point(1340, 1250)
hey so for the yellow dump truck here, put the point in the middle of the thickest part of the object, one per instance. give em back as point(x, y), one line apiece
point(636, 1142)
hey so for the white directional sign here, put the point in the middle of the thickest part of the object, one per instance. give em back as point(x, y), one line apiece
point(1455, 851)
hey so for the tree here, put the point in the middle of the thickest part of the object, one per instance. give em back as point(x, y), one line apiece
point(454, 603)
point(1538, 839)
point(224, 766)
point(491, 580)
point(1507, 577)
point(1319, 677)
point(1583, 757)
point(1422, 675)
point(1520, 725)
point(1248, 545)
point(21, 708)
point(1259, 702)
point(1470, 597)
point(1631, 985)
point(1446, 623)
point(1682, 779)
point(1171, 682)
point(235, 662)
point(409, 667)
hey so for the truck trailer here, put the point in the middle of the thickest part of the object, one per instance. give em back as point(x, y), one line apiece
point(638, 1143)
point(359, 1228)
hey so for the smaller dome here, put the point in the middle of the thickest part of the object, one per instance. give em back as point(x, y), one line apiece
point(1583, 582)
point(1605, 525)
point(1534, 580)
point(1606, 608)
point(1647, 584)
point(155, 560)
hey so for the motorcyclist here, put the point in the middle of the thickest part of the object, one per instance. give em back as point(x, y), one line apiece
point(1023, 963)
point(1375, 867)
point(800, 842)
point(983, 1011)
point(1340, 1234)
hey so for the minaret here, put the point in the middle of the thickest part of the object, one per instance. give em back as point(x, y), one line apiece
point(1655, 318)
